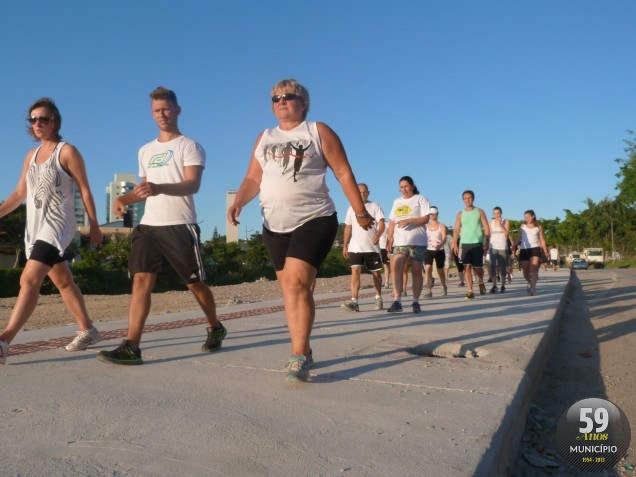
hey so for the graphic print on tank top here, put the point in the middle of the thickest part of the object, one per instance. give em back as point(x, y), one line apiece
point(44, 180)
point(280, 155)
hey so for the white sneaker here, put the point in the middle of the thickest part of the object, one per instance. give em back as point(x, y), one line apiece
point(4, 351)
point(84, 339)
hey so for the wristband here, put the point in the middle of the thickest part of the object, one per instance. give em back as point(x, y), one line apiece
point(362, 216)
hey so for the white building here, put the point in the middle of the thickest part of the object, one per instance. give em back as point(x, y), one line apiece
point(81, 217)
point(231, 231)
point(122, 184)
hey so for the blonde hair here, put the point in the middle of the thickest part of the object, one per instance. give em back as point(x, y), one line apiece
point(296, 88)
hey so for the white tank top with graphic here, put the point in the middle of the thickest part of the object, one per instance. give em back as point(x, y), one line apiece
point(50, 203)
point(293, 186)
point(498, 239)
point(434, 237)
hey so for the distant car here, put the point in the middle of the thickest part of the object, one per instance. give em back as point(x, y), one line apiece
point(579, 264)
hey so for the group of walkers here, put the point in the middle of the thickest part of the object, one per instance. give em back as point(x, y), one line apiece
point(299, 224)
point(170, 168)
point(416, 239)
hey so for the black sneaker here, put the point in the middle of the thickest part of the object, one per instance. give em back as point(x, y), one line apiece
point(493, 290)
point(395, 307)
point(123, 354)
point(503, 289)
point(215, 338)
point(417, 308)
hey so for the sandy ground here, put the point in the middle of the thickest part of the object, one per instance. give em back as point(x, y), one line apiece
point(51, 311)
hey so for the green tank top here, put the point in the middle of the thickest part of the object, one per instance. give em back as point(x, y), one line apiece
point(471, 227)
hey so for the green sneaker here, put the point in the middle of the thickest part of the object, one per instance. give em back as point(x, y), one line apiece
point(298, 368)
point(123, 354)
point(310, 360)
point(215, 339)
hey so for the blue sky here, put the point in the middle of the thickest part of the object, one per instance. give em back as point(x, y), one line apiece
point(526, 103)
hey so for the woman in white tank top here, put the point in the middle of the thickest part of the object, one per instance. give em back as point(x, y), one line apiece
point(287, 170)
point(532, 242)
point(499, 236)
point(46, 183)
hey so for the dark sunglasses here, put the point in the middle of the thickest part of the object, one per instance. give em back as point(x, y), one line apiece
point(287, 97)
point(42, 119)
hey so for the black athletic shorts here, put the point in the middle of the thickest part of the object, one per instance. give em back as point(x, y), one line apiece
point(371, 260)
point(47, 254)
point(473, 254)
point(311, 242)
point(438, 255)
point(526, 253)
point(157, 248)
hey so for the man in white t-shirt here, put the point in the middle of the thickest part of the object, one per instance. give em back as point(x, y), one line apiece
point(168, 236)
point(362, 248)
point(554, 257)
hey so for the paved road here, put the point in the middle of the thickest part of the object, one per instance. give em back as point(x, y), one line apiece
point(378, 404)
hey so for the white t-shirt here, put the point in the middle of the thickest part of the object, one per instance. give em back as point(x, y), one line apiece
point(164, 163)
point(293, 186)
point(413, 207)
point(554, 254)
point(362, 240)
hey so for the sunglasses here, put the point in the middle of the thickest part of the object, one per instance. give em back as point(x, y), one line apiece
point(42, 119)
point(287, 97)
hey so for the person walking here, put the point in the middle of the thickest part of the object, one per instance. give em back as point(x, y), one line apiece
point(46, 182)
point(532, 242)
point(386, 263)
point(406, 240)
point(436, 239)
point(499, 239)
point(362, 248)
point(299, 217)
point(554, 257)
point(168, 236)
point(472, 226)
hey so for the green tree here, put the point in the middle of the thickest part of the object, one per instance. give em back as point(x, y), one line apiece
point(12, 230)
point(627, 174)
point(112, 255)
point(216, 237)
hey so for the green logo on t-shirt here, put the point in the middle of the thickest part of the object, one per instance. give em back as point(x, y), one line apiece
point(160, 160)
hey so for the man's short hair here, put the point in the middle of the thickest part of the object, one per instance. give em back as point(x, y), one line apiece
point(164, 93)
point(472, 194)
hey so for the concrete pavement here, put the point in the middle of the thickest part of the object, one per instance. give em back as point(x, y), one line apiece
point(378, 403)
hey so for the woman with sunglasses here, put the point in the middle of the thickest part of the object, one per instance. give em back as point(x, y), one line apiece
point(299, 216)
point(46, 182)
